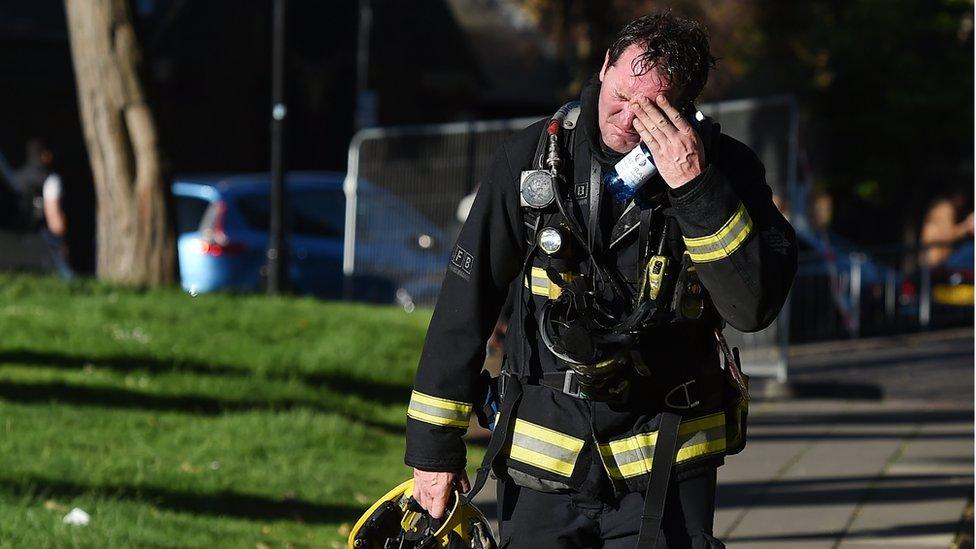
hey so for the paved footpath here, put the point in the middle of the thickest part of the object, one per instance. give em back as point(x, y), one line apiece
point(859, 471)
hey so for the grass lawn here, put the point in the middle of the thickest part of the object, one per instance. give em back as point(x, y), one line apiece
point(178, 421)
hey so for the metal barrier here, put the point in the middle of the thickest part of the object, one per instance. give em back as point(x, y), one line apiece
point(770, 127)
point(404, 186)
point(848, 293)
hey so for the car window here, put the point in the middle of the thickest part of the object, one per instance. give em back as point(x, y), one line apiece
point(312, 212)
point(189, 212)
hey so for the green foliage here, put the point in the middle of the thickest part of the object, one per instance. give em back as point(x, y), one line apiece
point(887, 89)
point(211, 421)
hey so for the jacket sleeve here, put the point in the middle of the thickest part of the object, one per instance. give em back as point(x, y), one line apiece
point(485, 260)
point(743, 248)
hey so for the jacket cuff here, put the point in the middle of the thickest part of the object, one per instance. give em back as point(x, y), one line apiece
point(434, 448)
point(689, 186)
point(714, 222)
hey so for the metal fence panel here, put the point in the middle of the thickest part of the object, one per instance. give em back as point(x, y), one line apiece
point(403, 189)
point(769, 127)
point(404, 186)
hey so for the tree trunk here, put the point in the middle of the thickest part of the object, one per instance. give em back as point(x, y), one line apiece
point(135, 237)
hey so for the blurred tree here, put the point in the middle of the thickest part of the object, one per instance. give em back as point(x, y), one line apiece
point(583, 29)
point(885, 88)
point(135, 236)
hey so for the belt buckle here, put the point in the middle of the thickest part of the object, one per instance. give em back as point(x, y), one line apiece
point(569, 382)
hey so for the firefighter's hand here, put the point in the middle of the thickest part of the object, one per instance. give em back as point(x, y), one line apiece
point(433, 489)
point(678, 151)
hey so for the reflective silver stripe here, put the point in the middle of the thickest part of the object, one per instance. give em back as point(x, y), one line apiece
point(725, 241)
point(701, 437)
point(540, 284)
point(632, 456)
point(439, 411)
point(544, 448)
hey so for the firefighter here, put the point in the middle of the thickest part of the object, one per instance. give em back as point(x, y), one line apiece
point(615, 407)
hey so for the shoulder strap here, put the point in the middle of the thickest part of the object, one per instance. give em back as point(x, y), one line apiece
point(513, 394)
point(657, 485)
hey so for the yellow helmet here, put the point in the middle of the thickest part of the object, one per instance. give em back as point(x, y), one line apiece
point(396, 520)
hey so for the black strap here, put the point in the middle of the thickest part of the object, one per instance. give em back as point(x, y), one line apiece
point(595, 193)
point(513, 394)
point(531, 218)
point(566, 382)
point(665, 450)
point(644, 251)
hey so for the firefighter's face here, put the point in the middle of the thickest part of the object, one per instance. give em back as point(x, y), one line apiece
point(620, 87)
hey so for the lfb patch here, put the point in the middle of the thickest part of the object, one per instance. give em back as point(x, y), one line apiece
point(461, 262)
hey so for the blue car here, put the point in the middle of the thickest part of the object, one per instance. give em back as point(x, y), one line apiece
point(222, 226)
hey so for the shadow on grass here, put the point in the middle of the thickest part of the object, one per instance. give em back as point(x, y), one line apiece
point(79, 395)
point(123, 364)
point(383, 392)
point(225, 503)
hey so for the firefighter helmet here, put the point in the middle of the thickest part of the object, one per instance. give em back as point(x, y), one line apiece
point(397, 520)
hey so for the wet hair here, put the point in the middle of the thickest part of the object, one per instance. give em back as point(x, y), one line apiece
point(677, 47)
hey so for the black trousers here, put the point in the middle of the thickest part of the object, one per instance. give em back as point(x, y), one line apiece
point(538, 520)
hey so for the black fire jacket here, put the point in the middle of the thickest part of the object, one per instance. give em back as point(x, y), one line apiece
point(745, 255)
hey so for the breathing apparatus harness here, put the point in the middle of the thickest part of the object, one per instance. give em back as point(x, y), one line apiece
point(595, 344)
point(592, 339)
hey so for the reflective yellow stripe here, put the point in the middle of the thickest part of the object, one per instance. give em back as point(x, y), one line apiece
point(718, 236)
point(438, 411)
point(427, 418)
point(633, 456)
point(634, 443)
point(538, 282)
point(723, 242)
point(548, 435)
point(454, 405)
point(542, 461)
point(701, 449)
point(636, 468)
point(700, 424)
point(544, 448)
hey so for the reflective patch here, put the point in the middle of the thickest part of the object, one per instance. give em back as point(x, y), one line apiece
point(632, 456)
point(538, 282)
point(723, 243)
point(544, 448)
point(439, 411)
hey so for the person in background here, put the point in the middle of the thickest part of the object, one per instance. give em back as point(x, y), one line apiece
point(942, 228)
point(40, 190)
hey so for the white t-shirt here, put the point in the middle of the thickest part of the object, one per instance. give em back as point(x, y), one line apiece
point(52, 187)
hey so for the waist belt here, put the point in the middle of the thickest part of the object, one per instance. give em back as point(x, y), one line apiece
point(568, 383)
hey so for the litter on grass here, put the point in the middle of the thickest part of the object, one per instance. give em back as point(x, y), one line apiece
point(77, 517)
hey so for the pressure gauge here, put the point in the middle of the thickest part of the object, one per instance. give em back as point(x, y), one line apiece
point(537, 189)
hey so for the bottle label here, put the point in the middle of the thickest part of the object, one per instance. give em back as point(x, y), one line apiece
point(636, 168)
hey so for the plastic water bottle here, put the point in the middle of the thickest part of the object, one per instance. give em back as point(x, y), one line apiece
point(630, 173)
